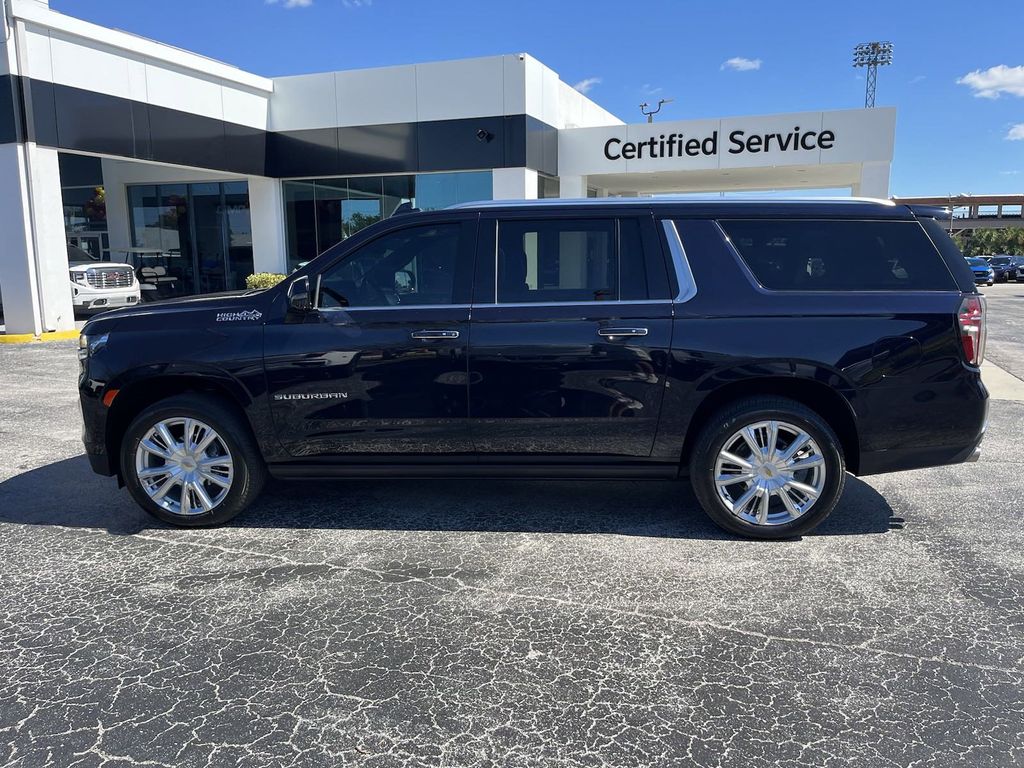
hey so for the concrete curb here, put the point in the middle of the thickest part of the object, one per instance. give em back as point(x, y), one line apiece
point(25, 338)
point(1001, 384)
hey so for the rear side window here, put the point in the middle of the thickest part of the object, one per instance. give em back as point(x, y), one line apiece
point(557, 260)
point(814, 255)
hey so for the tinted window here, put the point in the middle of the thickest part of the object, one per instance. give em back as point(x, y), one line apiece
point(796, 255)
point(1000, 261)
point(974, 261)
point(412, 266)
point(642, 271)
point(557, 260)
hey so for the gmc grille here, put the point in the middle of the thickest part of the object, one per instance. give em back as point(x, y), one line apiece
point(110, 277)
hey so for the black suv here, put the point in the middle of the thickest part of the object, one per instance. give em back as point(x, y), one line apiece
point(763, 348)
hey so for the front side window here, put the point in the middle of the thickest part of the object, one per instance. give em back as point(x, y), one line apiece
point(410, 267)
point(557, 260)
point(839, 255)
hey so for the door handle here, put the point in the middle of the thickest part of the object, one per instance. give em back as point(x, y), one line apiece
point(434, 334)
point(612, 333)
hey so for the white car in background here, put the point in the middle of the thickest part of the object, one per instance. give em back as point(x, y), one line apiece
point(99, 285)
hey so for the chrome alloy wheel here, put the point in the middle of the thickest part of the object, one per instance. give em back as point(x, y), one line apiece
point(769, 473)
point(184, 466)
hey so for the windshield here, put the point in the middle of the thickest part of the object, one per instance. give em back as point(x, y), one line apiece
point(1000, 260)
point(976, 261)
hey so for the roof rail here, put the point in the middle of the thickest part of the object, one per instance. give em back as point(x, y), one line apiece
point(669, 199)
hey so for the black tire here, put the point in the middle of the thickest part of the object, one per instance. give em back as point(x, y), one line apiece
point(249, 470)
point(726, 423)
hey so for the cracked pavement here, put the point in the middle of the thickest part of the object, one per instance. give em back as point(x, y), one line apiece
point(504, 623)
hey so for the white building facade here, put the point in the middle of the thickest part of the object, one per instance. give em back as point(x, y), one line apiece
point(131, 150)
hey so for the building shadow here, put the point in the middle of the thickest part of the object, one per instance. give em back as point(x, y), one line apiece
point(67, 493)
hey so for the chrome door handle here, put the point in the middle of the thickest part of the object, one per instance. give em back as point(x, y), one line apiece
point(434, 334)
point(611, 333)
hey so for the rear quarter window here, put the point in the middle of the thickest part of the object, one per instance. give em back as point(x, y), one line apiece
point(836, 255)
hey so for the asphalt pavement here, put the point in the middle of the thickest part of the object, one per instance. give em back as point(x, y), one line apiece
point(505, 623)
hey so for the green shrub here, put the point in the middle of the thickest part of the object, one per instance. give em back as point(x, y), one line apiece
point(263, 280)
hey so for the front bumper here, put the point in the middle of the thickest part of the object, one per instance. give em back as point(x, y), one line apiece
point(85, 297)
point(100, 462)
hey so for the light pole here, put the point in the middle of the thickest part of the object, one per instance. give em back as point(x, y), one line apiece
point(872, 56)
point(653, 112)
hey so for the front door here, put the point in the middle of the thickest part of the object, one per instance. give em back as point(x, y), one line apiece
point(572, 323)
point(380, 366)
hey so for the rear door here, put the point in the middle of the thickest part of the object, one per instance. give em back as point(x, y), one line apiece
point(379, 367)
point(571, 328)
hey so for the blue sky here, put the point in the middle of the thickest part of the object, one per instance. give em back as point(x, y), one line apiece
point(957, 80)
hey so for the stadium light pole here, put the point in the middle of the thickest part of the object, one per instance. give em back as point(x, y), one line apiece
point(872, 56)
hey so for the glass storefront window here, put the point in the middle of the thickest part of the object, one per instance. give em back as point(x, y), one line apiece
point(320, 213)
point(330, 194)
point(547, 187)
point(85, 209)
point(300, 215)
point(239, 232)
point(364, 204)
point(398, 190)
point(209, 242)
point(199, 236)
point(439, 190)
point(85, 223)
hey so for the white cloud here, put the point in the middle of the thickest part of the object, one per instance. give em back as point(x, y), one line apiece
point(917, 79)
point(741, 64)
point(357, 3)
point(647, 90)
point(1008, 173)
point(992, 82)
point(584, 85)
point(1016, 132)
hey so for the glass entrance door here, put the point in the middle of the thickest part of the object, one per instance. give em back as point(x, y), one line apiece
point(238, 234)
point(210, 252)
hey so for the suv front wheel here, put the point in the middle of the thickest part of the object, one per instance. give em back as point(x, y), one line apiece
point(768, 468)
point(190, 460)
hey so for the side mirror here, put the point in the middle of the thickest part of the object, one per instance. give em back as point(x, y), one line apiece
point(299, 298)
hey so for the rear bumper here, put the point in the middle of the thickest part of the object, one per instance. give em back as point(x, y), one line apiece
point(971, 418)
point(897, 460)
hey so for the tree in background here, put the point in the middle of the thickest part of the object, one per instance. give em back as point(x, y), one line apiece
point(986, 242)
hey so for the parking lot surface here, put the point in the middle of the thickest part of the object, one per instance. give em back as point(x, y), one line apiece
point(505, 623)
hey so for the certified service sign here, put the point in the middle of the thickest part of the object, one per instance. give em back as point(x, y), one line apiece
point(739, 141)
point(838, 138)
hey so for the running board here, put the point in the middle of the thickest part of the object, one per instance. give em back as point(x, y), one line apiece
point(646, 471)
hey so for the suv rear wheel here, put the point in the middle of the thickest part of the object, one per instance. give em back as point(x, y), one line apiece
point(190, 460)
point(768, 468)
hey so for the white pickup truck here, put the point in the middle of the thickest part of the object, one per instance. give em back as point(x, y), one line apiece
point(99, 285)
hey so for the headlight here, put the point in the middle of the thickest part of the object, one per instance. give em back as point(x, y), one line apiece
point(90, 345)
point(78, 277)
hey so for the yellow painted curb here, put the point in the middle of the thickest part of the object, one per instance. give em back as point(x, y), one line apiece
point(24, 338)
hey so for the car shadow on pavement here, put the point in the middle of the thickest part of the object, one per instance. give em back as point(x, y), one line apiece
point(67, 493)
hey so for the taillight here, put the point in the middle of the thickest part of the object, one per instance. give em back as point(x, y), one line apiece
point(972, 328)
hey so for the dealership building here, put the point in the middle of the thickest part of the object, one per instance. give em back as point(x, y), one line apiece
point(131, 150)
